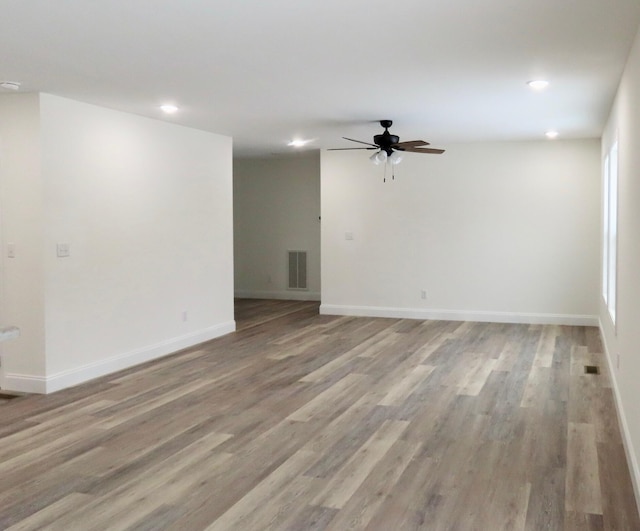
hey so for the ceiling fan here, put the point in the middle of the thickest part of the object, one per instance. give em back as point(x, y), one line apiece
point(389, 146)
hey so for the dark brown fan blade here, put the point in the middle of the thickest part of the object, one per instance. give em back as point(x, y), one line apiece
point(344, 149)
point(360, 142)
point(423, 150)
point(410, 143)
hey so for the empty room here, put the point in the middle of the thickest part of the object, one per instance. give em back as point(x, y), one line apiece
point(320, 265)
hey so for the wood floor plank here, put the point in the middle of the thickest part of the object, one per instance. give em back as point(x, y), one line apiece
point(44, 483)
point(473, 382)
point(329, 368)
point(149, 405)
point(407, 385)
point(583, 479)
point(16, 445)
point(536, 384)
point(322, 404)
point(346, 481)
point(546, 347)
point(309, 518)
point(288, 351)
point(47, 516)
point(346, 444)
point(507, 358)
point(287, 505)
point(160, 483)
point(364, 412)
point(411, 503)
point(361, 508)
point(546, 509)
point(504, 508)
point(301, 421)
point(238, 517)
point(585, 522)
point(616, 488)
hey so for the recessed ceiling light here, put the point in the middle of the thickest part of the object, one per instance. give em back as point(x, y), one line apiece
point(10, 85)
point(552, 134)
point(298, 143)
point(538, 84)
point(169, 109)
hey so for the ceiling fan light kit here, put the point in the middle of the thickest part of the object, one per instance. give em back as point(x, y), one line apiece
point(379, 157)
point(396, 158)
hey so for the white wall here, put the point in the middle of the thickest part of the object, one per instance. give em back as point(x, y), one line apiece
point(146, 208)
point(491, 231)
point(624, 339)
point(21, 223)
point(276, 209)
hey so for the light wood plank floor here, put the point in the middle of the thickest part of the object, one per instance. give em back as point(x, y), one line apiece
point(301, 421)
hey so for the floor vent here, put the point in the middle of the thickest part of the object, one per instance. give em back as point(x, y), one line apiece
point(297, 270)
point(591, 369)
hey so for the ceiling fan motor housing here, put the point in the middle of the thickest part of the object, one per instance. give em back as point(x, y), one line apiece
point(385, 141)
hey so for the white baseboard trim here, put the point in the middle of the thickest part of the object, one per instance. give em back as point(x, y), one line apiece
point(455, 315)
point(622, 420)
point(24, 383)
point(287, 295)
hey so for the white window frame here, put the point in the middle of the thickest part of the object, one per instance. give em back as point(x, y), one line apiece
point(610, 230)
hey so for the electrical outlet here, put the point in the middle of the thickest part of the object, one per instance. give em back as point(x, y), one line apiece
point(423, 294)
point(185, 316)
point(11, 250)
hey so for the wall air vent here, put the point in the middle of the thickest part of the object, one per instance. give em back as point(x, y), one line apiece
point(297, 270)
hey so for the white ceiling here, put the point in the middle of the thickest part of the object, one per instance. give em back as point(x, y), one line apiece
point(265, 71)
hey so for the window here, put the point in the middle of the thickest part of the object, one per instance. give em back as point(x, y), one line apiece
point(610, 229)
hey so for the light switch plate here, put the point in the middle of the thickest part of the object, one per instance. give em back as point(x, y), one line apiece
point(63, 250)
